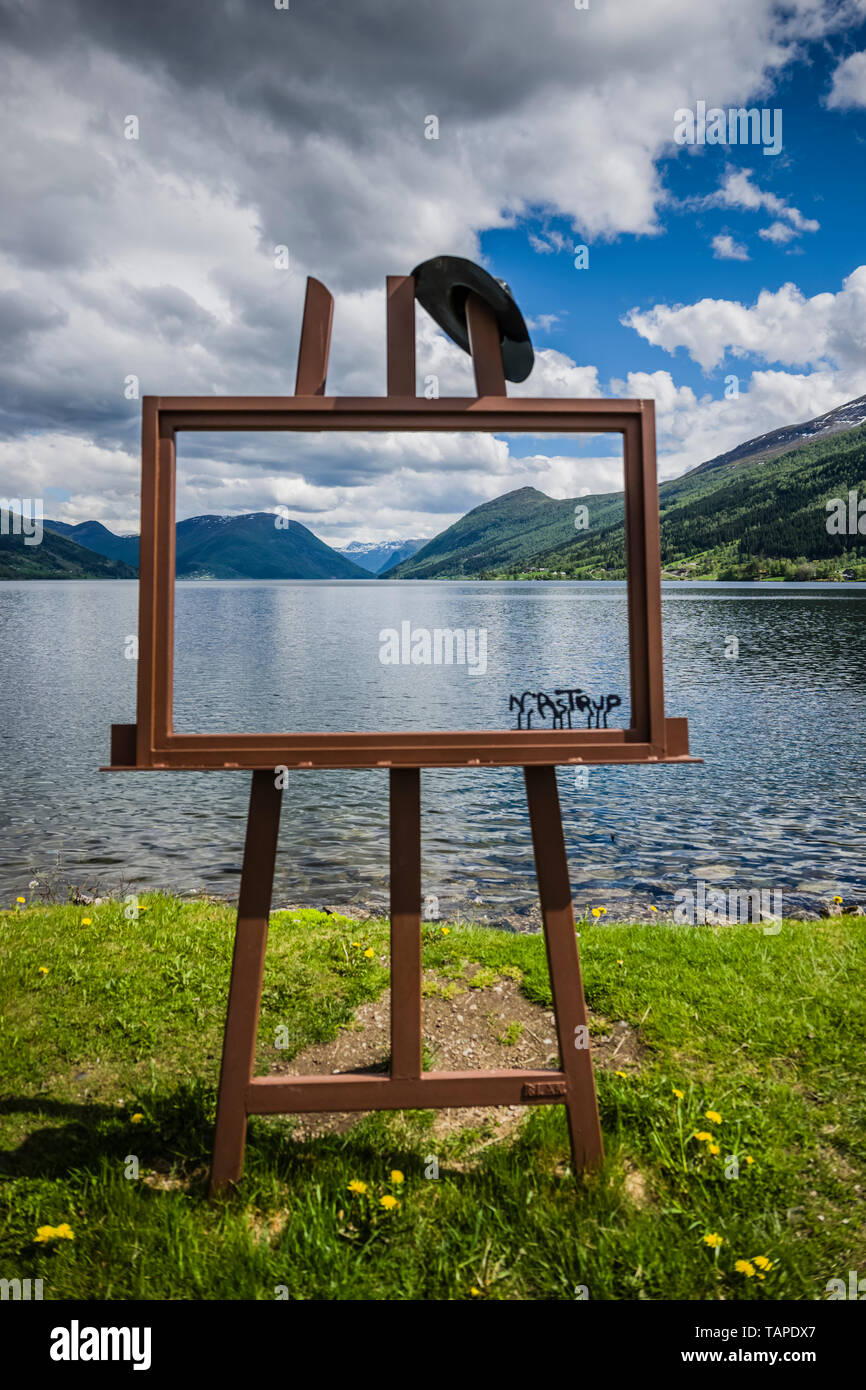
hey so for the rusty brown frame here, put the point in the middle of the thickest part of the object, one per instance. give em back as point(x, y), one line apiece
point(152, 744)
point(651, 736)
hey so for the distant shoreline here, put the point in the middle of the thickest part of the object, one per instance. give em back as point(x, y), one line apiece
point(452, 579)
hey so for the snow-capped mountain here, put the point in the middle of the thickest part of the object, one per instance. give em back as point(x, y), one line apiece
point(844, 417)
point(377, 556)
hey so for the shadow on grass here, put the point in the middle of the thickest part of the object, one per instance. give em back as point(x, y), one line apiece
point(176, 1129)
point(175, 1135)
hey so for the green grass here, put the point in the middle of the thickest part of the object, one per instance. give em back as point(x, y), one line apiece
point(766, 1030)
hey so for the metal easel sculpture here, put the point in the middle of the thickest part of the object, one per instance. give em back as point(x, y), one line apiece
point(480, 314)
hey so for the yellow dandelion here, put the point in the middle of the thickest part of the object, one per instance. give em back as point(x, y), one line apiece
point(144, 907)
point(369, 952)
point(64, 1232)
point(388, 1202)
point(446, 931)
point(358, 1187)
point(713, 1149)
point(603, 911)
point(680, 1095)
point(20, 900)
point(702, 1136)
point(356, 945)
point(837, 899)
point(86, 922)
point(653, 909)
point(744, 1267)
point(761, 1262)
point(137, 1118)
point(621, 1073)
point(476, 1293)
point(397, 1176)
point(44, 1234)
point(596, 912)
point(713, 1240)
point(43, 970)
point(714, 1116)
point(749, 1160)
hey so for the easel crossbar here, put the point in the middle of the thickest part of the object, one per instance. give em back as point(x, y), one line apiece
point(277, 1095)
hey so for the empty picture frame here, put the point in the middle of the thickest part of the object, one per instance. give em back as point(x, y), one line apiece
point(151, 742)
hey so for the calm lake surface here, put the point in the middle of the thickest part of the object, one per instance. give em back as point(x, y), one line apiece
point(779, 802)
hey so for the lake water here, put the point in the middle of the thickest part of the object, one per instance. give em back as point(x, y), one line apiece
point(779, 802)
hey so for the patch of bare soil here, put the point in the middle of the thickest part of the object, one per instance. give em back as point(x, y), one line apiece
point(464, 1028)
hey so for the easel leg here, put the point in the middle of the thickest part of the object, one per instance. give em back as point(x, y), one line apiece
point(405, 923)
point(245, 988)
point(563, 963)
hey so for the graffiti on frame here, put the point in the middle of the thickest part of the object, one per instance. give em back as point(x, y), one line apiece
point(561, 707)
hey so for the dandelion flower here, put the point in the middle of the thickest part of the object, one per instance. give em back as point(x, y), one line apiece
point(702, 1136)
point(64, 1232)
point(388, 1202)
point(43, 970)
point(23, 900)
point(837, 899)
point(369, 952)
point(356, 945)
point(44, 1234)
point(744, 1267)
point(621, 1073)
point(397, 1176)
point(749, 1160)
point(596, 912)
point(603, 911)
point(476, 1293)
point(713, 1149)
point(714, 1116)
point(761, 1262)
point(680, 1095)
point(653, 909)
point(713, 1240)
point(86, 922)
point(358, 1187)
point(137, 1118)
point(446, 931)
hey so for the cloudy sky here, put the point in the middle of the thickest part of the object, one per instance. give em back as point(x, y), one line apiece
point(305, 127)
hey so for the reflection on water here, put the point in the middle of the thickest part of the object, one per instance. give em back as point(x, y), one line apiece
point(778, 802)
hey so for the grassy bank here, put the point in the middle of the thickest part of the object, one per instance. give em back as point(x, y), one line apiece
point(110, 1043)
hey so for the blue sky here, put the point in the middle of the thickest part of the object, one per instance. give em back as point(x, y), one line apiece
point(821, 171)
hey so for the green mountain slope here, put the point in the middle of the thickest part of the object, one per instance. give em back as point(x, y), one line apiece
point(507, 532)
point(94, 536)
point(253, 547)
point(748, 516)
point(741, 522)
point(56, 557)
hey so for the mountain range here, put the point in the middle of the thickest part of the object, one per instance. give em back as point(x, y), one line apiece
point(251, 546)
point(379, 556)
point(758, 510)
